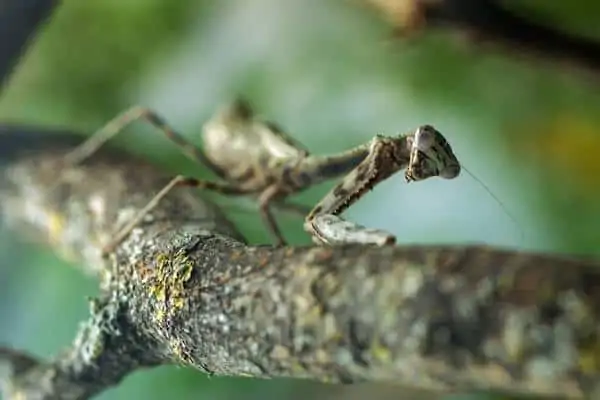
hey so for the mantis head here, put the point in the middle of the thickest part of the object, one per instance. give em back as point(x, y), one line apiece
point(431, 155)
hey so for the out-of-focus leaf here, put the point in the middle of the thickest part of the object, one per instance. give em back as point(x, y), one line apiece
point(568, 148)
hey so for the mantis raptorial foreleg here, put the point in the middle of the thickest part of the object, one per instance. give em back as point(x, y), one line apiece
point(323, 222)
point(424, 154)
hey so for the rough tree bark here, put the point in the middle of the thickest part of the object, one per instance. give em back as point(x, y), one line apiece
point(184, 288)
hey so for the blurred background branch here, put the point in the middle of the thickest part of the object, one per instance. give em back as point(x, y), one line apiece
point(19, 22)
point(492, 21)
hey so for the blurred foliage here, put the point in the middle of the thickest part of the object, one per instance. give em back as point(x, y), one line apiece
point(89, 52)
point(329, 73)
point(579, 17)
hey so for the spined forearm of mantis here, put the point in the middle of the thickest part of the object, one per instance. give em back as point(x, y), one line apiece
point(183, 288)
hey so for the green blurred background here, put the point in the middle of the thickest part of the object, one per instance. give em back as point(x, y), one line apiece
point(330, 74)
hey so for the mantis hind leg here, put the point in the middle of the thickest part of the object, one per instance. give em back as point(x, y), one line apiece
point(118, 125)
point(265, 201)
point(180, 180)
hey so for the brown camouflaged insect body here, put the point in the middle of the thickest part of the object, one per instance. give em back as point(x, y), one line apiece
point(254, 157)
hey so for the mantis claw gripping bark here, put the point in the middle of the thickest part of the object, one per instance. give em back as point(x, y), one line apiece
point(256, 157)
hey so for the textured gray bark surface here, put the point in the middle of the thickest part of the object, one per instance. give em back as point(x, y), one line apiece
point(183, 288)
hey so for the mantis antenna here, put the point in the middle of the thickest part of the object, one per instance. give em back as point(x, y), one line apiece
point(487, 189)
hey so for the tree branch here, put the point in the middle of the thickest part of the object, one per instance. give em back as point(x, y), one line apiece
point(19, 21)
point(185, 289)
point(488, 21)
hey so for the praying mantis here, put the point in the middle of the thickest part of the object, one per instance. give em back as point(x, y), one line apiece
point(256, 157)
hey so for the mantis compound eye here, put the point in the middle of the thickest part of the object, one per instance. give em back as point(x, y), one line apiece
point(425, 137)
